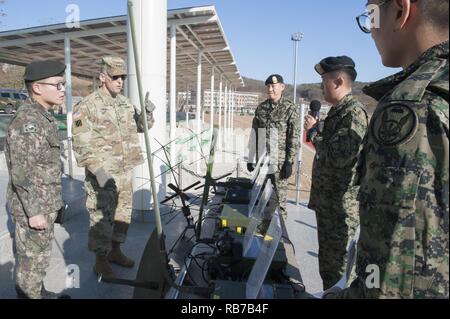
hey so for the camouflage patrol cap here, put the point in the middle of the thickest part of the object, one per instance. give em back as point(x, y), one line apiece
point(274, 79)
point(339, 63)
point(113, 66)
point(39, 70)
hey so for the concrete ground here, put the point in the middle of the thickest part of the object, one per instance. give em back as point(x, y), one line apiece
point(71, 258)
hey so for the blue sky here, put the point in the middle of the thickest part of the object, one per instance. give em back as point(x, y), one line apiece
point(259, 31)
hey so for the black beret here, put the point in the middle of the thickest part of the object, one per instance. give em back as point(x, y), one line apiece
point(338, 63)
point(274, 79)
point(39, 70)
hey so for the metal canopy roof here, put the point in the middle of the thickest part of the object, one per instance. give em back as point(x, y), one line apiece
point(198, 29)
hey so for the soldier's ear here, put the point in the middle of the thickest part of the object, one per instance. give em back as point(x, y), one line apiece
point(102, 78)
point(36, 88)
point(339, 81)
point(404, 13)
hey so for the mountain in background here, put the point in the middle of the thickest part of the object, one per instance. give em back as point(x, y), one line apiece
point(308, 92)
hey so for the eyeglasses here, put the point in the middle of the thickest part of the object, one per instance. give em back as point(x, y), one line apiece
point(59, 86)
point(371, 18)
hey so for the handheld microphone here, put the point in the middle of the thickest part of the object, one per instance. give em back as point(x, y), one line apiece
point(314, 111)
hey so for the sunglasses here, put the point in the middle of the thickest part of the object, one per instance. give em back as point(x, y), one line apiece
point(116, 77)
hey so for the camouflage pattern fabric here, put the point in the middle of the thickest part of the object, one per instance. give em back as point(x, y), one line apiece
point(33, 157)
point(280, 123)
point(333, 196)
point(105, 134)
point(34, 249)
point(105, 137)
point(404, 185)
point(110, 212)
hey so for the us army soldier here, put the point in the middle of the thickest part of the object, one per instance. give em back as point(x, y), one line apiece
point(403, 250)
point(338, 145)
point(279, 118)
point(34, 191)
point(105, 140)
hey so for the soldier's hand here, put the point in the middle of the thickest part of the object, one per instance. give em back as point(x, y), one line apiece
point(310, 122)
point(38, 222)
point(149, 106)
point(251, 167)
point(286, 170)
point(104, 179)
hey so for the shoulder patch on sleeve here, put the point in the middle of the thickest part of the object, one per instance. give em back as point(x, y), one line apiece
point(396, 124)
point(29, 128)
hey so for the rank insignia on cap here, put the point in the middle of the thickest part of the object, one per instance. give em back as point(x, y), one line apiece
point(320, 69)
point(79, 123)
point(274, 80)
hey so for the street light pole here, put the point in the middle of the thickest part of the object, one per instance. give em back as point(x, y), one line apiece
point(296, 37)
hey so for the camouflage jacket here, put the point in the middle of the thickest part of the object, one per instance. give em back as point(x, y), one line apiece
point(404, 184)
point(280, 122)
point(105, 134)
point(338, 146)
point(33, 156)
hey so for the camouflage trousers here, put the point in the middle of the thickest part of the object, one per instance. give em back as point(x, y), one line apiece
point(281, 188)
point(33, 256)
point(109, 212)
point(337, 222)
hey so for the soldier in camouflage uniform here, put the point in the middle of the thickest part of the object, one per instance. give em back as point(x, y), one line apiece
point(105, 140)
point(403, 250)
point(338, 143)
point(34, 191)
point(278, 119)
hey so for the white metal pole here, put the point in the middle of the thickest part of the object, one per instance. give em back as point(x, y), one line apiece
point(300, 153)
point(187, 105)
point(295, 71)
point(234, 111)
point(187, 119)
point(220, 110)
point(212, 104)
point(230, 104)
point(230, 115)
point(69, 101)
point(151, 30)
point(225, 124)
point(173, 91)
point(199, 107)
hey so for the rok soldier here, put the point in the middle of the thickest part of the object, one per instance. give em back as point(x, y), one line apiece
point(338, 143)
point(403, 250)
point(34, 164)
point(105, 133)
point(278, 119)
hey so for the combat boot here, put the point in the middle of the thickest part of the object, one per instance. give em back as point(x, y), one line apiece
point(21, 294)
point(116, 256)
point(45, 294)
point(103, 268)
